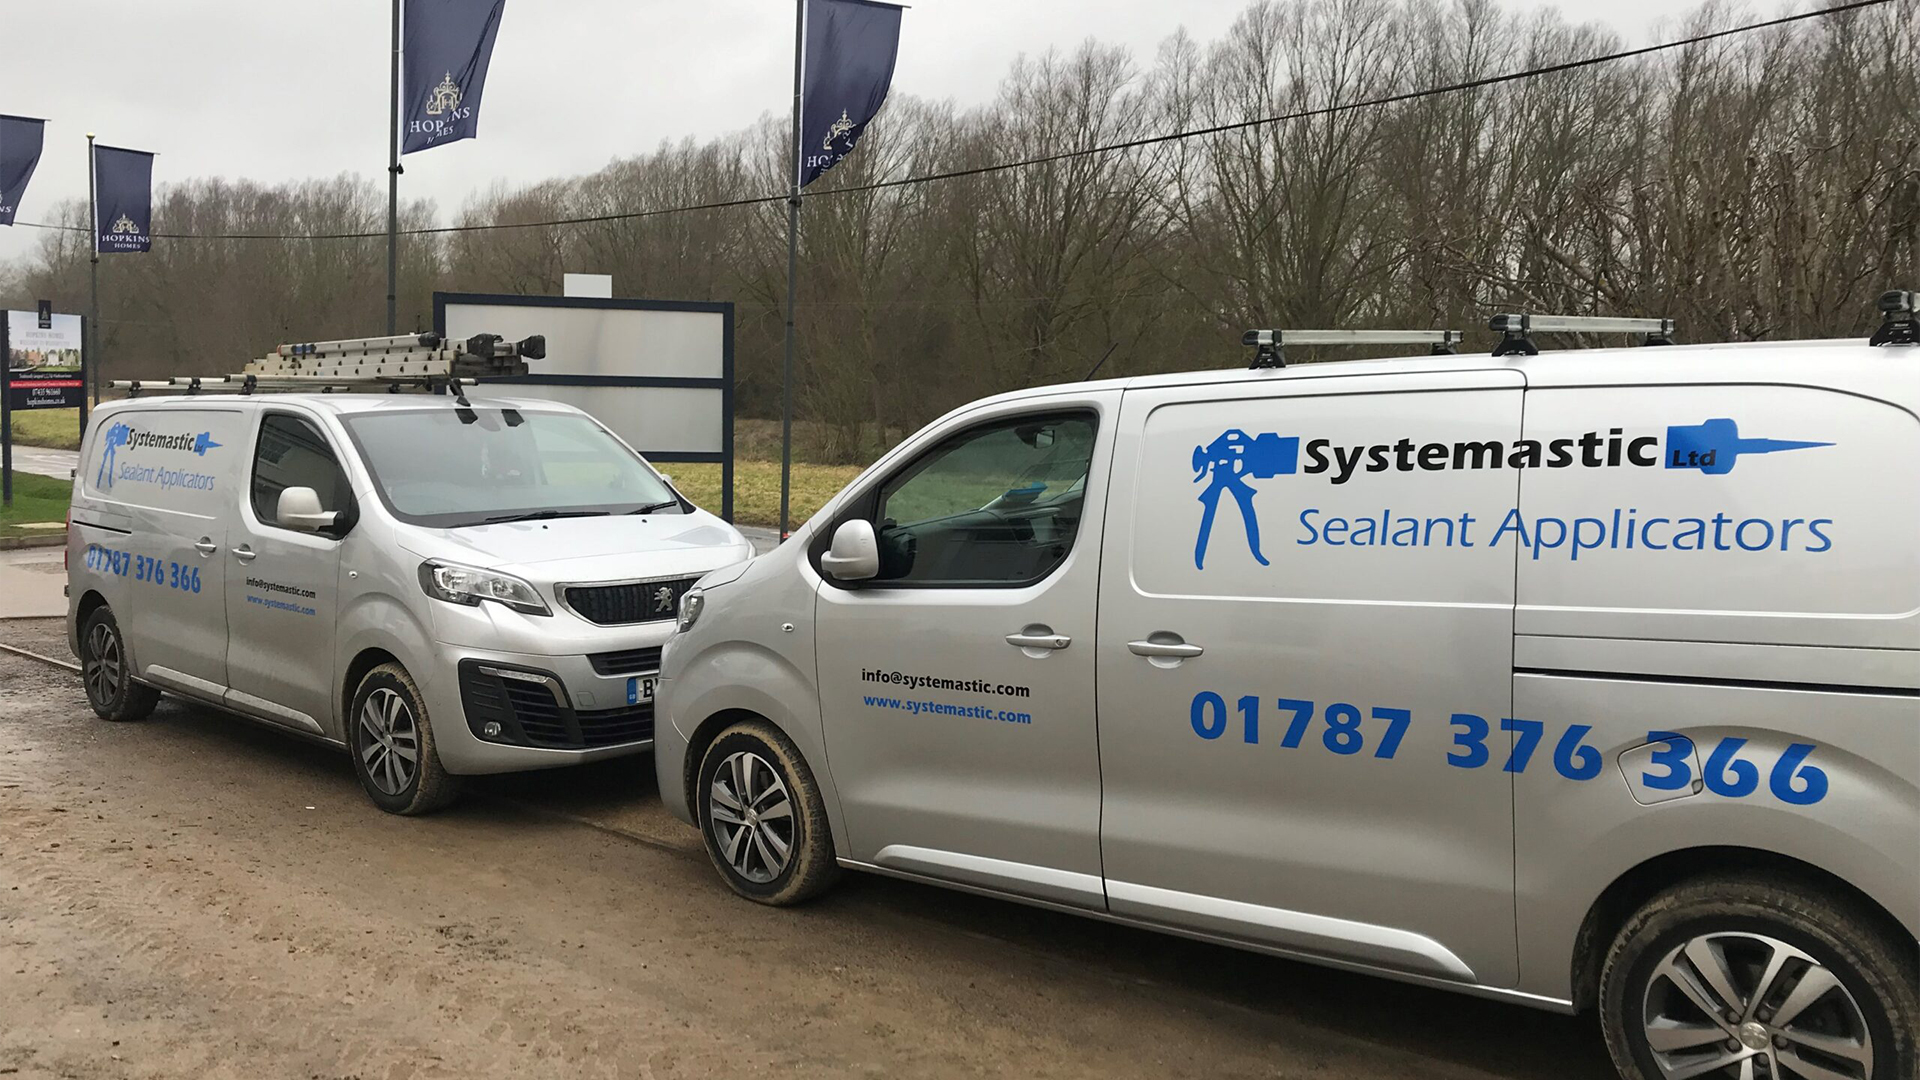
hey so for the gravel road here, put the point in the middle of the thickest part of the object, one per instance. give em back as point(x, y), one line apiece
point(196, 897)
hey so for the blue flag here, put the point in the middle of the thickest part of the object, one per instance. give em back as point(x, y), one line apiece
point(19, 153)
point(851, 46)
point(448, 45)
point(123, 186)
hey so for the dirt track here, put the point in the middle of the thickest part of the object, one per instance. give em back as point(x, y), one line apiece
point(194, 897)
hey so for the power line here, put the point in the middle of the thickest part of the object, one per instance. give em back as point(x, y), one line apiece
point(1107, 148)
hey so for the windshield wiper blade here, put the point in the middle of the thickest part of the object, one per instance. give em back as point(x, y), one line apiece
point(654, 508)
point(542, 515)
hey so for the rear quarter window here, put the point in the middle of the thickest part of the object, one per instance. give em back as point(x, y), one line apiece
point(171, 460)
point(1325, 497)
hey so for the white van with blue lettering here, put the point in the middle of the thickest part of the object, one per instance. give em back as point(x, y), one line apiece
point(1587, 680)
point(442, 586)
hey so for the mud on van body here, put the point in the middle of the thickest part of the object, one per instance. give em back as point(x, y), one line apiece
point(1580, 680)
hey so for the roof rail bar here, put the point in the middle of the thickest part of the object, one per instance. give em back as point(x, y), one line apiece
point(1270, 345)
point(1517, 330)
point(1902, 323)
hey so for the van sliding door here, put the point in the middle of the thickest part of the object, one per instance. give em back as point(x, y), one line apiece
point(1305, 656)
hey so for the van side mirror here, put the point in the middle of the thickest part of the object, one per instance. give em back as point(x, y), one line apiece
point(299, 508)
point(855, 554)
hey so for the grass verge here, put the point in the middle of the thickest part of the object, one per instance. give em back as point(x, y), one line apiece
point(57, 429)
point(35, 499)
point(756, 488)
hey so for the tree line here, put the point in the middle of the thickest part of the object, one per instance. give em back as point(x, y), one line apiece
point(1763, 185)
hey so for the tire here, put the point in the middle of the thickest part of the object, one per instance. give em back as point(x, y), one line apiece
point(746, 850)
point(388, 719)
point(1850, 984)
point(107, 673)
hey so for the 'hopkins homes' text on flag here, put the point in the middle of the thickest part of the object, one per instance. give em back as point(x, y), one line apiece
point(448, 46)
point(123, 185)
point(851, 47)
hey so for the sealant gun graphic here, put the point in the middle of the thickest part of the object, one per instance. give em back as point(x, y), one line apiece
point(1227, 463)
point(1713, 446)
point(117, 437)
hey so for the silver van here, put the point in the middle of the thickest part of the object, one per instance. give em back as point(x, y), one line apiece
point(443, 586)
point(1586, 680)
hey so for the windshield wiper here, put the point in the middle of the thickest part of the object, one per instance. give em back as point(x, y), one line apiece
point(542, 515)
point(654, 508)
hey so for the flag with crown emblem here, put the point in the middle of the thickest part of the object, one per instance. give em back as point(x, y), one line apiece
point(448, 44)
point(20, 140)
point(123, 186)
point(847, 70)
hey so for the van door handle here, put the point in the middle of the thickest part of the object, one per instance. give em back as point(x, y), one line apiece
point(1176, 648)
point(244, 553)
point(1025, 640)
point(206, 546)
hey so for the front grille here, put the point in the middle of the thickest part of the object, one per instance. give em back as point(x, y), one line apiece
point(627, 661)
point(618, 605)
point(530, 714)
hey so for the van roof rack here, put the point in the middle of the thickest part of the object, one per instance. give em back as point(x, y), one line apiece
point(1517, 330)
point(391, 364)
point(1269, 346)
point(1902, 323)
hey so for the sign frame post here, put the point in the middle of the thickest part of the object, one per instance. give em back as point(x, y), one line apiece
point(6, 415)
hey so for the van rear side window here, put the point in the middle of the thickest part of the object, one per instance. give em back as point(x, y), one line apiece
point(166, 459)
point(1336, 496)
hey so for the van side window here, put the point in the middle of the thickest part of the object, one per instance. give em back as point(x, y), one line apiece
point(293, 453)
point(997, 505)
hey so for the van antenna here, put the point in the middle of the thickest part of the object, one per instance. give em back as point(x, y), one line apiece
point(1102, 361)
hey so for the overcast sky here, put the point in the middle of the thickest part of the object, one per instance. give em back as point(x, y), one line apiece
point(276, 90)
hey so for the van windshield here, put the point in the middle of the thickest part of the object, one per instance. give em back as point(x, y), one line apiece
point(455, 467)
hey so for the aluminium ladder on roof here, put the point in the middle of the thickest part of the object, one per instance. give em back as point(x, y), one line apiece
point(406, 361)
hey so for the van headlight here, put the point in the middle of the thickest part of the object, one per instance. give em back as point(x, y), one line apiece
point(692, 603)
point(469, 585)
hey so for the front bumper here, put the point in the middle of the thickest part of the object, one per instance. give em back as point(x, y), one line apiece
point(511, 712)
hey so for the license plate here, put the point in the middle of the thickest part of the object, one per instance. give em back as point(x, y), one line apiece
point(640, 688)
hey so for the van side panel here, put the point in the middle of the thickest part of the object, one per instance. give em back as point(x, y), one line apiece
point(170, 477)
point(1717, 635)
point(1826, 778)
point(1325, 777)
point(1761, 514)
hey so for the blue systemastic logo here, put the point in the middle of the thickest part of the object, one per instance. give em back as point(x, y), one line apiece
point(117, 437)
point(1713, 446)
point(1227, 463)
point(120, 435)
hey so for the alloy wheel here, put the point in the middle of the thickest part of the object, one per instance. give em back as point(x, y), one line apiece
point(1743, 1006)
point(104, 668)
point(392, 741)
point(752, 817)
